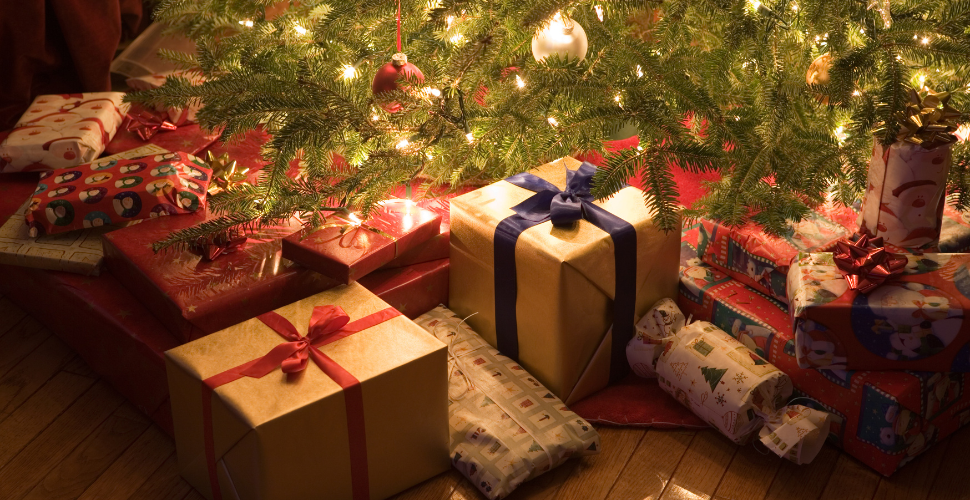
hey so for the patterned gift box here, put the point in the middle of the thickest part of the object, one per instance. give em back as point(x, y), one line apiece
point(178, 116)
point(189, 138)
point(59, 131)
point(75, 252)
point(506, 427)
point(914, 321)
point(884, 419)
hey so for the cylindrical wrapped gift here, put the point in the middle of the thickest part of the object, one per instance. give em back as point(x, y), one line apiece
point(726, 384)
point(905, 194)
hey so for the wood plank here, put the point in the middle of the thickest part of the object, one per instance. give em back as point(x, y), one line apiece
point(652, 464)
point(133, 468)
point(804, 482)
point(850, 479)
point(164, 484)
point(436, 488)
point(39, 457)
point(78, 366)
point(19, 341)
point(92, 457)
point(31, 373)
point(702, 467)
point(10, 315)
point(596, 474)
point(913, 481)
point(950, 481)
point(750, 474)
point(38, 412)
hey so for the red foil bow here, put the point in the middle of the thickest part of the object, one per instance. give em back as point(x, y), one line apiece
point(146, 124)
point(865, 264)
point(213, 249)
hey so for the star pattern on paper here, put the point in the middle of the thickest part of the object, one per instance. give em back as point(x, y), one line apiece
point(739, 378)
point(720, 399)
point(191, 309)
point(186, 143)
point(802, 431)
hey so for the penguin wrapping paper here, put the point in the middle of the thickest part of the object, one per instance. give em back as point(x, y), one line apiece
point(882, 418)
point(506, 427)
point(914, 321)
point(74, 252)
point(725, 383)
point(108, 191)
point(359, 409)
point(63, 130)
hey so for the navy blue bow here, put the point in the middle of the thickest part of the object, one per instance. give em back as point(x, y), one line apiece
point(564, 207)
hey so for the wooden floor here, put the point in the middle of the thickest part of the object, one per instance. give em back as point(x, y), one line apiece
point(66, 434)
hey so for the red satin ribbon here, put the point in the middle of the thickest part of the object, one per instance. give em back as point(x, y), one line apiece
point(147, 124)
point(865, 264)
point(327, 324)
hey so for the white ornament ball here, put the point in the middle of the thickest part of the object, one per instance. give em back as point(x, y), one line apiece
point(564, 37)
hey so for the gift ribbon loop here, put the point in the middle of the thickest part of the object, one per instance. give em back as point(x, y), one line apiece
point(146, 124)
point(866, 264)
point(564, 207)
point(327, 324)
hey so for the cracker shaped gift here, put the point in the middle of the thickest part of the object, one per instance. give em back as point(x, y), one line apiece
point(334, 396)
point(726, 384)
point(59, 131)
point(115, 191)
point(506, 428)
point(549, 269)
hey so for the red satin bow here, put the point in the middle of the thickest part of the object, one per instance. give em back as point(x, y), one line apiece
point(866, 264)
point(325, 322)
point(147, 124)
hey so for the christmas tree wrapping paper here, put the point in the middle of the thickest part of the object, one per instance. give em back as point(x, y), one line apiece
point(109, 191)
point(505, 426)
point(546, 295)
point(884, 419)
point(361, 396)
point(177, 115)
point(347, 249)
point(194, 296)
point(913, 321)
point(726, 384)
point(190, 138)
point(413, 290)
point(74, 252)
point(905, 194)
point(63, 130)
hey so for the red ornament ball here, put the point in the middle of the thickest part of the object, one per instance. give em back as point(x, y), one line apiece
point(386, 79)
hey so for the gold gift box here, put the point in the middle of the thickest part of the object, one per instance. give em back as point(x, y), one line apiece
point(565, 279)
point(285, 436)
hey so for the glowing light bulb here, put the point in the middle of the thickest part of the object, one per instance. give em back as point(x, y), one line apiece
point(915, 37)
point(856, 93)
point(639, 71)
point(432, 91)
point(925, 40)
point(349, 72)
point(299, 29)
point(599, 12)
point(449, 20)
point(755, 5)
point(519, 82)
point(922, 79)
point(375, 117)
point(247, 23)
point(470, 137)
point(403, 144)
point(553, 121)
point(457, 39)
point(794, 7)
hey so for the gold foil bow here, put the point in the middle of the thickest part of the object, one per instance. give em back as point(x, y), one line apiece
point(866, 264)
point(146, 124)
point(924, 122)
point(225, 173)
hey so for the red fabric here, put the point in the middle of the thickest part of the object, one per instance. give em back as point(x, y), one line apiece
point(637, 402)
point(59, 47)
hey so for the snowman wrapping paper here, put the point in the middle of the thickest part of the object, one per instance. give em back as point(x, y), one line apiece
point(505, 427)
point(912, 322)
point(726, 384)
point(110, 191)
point(64, 130)
point(905, 194)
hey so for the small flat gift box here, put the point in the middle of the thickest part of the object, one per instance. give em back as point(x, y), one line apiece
point(350, 250)
point(546, 295)
point(413, 290)
point(361, 412)
point(63, 130)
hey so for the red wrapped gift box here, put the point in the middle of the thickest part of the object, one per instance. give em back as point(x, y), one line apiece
point(914, 321)
point(413, 290)
point(106, 325)
point(346, 253)
point(194, 297)
point(189, 138)
point(884, 419)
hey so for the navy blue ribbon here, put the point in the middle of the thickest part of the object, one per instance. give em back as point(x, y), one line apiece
point(565, 207)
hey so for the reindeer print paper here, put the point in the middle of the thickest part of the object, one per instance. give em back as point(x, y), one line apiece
point(59, 131)
point(506, 427)
point(914, 322)
point(111, 191)
point(905, 194)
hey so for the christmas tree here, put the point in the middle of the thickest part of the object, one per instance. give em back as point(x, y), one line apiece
point(716, 85)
